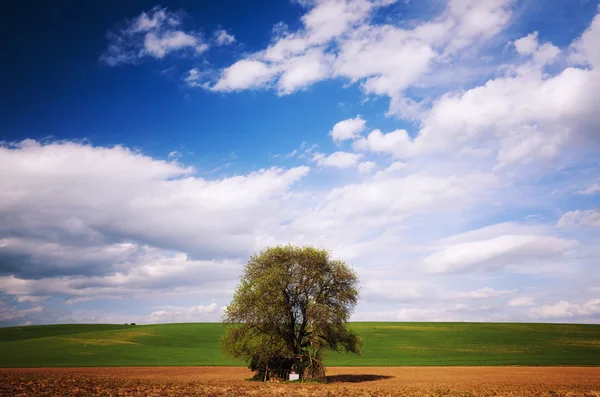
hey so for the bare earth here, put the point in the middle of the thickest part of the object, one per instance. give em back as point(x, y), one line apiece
point(342, 381)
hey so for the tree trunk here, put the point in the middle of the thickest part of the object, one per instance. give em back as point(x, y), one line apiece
point(314, 370)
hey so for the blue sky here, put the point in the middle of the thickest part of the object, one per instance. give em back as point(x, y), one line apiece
point(447, 150)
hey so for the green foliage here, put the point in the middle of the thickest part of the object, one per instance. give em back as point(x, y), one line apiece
point(292, 304)
point(386, 344)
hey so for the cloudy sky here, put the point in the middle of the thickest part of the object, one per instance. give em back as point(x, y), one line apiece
point(449, 150)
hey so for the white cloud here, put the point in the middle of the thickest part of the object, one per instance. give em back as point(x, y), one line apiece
point(291, 154)
point(152, 34)
point(493, 231)
point(195, 78)
point(511, 252)
point(390, 290)
point(585, 49)
point(338, 39)
point(31, 299)
point(338, 159)
point(592, 189)
point(404, 314)
point(71, 301)
point(101, 196)
point(366, 167)
point(394, 169)
point(520, 301)
point(396, 143)
point(201, 313)
point(142, 273)
point(458, 312)
point(475, 20)
point(326, 21)
point(10, 315)
point(244, 74)
point(482, 293)
point(301, 71)
point(296, 59)
point(377, 203)
point(580, 218)
point(379, 55)
point(80, 222)
point(159, 46)
point(522, 115)
point(223, 38)
point(542, 54)
point(566, 309)
point(525, 117)
point(347, 129)
point(528, 44)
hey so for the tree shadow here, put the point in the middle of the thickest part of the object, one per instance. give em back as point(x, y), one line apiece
point(350, 378)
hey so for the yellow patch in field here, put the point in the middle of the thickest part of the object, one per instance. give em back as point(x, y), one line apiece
point(121, 338)
point(452, 349)
point(583, 343)
point(510, 349)
point(85, 354)
point(413, 328)
point(132, 334)
point(484, 349)
point(100, 342)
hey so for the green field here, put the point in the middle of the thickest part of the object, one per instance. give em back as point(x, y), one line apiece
point(386, 344)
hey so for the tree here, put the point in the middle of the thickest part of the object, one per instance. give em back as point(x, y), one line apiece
point(291, 305)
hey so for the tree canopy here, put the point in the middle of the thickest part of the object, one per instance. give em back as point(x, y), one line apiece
point(291, 305)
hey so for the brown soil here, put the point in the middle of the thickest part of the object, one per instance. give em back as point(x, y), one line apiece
point(342, 381)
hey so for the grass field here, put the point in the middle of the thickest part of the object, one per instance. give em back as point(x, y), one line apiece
point(386, 344)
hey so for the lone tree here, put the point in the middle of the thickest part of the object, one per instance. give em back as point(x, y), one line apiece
point(292, 304)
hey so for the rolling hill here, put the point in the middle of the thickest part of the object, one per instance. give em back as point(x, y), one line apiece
point(386, 344)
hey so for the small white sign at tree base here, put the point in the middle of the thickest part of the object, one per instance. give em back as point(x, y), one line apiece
point(294, 377)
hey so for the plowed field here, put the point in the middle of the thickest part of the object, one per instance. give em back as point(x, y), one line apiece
point(342, 381)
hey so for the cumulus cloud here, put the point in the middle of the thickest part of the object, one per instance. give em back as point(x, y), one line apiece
point(201, 313)
point(521, 117)
point(339, 39)
point(497, 247)
point(338, 159)
point(31, 299)
point(522, 114)
point(445, 313)
point(520, 301)
point(366, 167)
point(482, 293)
point(83, 221)
point(566, 309)
point(591, 189)
point(380, 202)
point(141, 275)
point(590, 218)
point(14, 315)
point(528, 44)
point(396, 143)
point(585, 49)
point(155, 34)
point(244, 74)
point(391, 290)
point(347, 129)
point(223, 38)
point(93, 237)
point(394, 169)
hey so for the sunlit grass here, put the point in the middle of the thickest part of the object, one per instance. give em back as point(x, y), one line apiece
point(385, 344)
